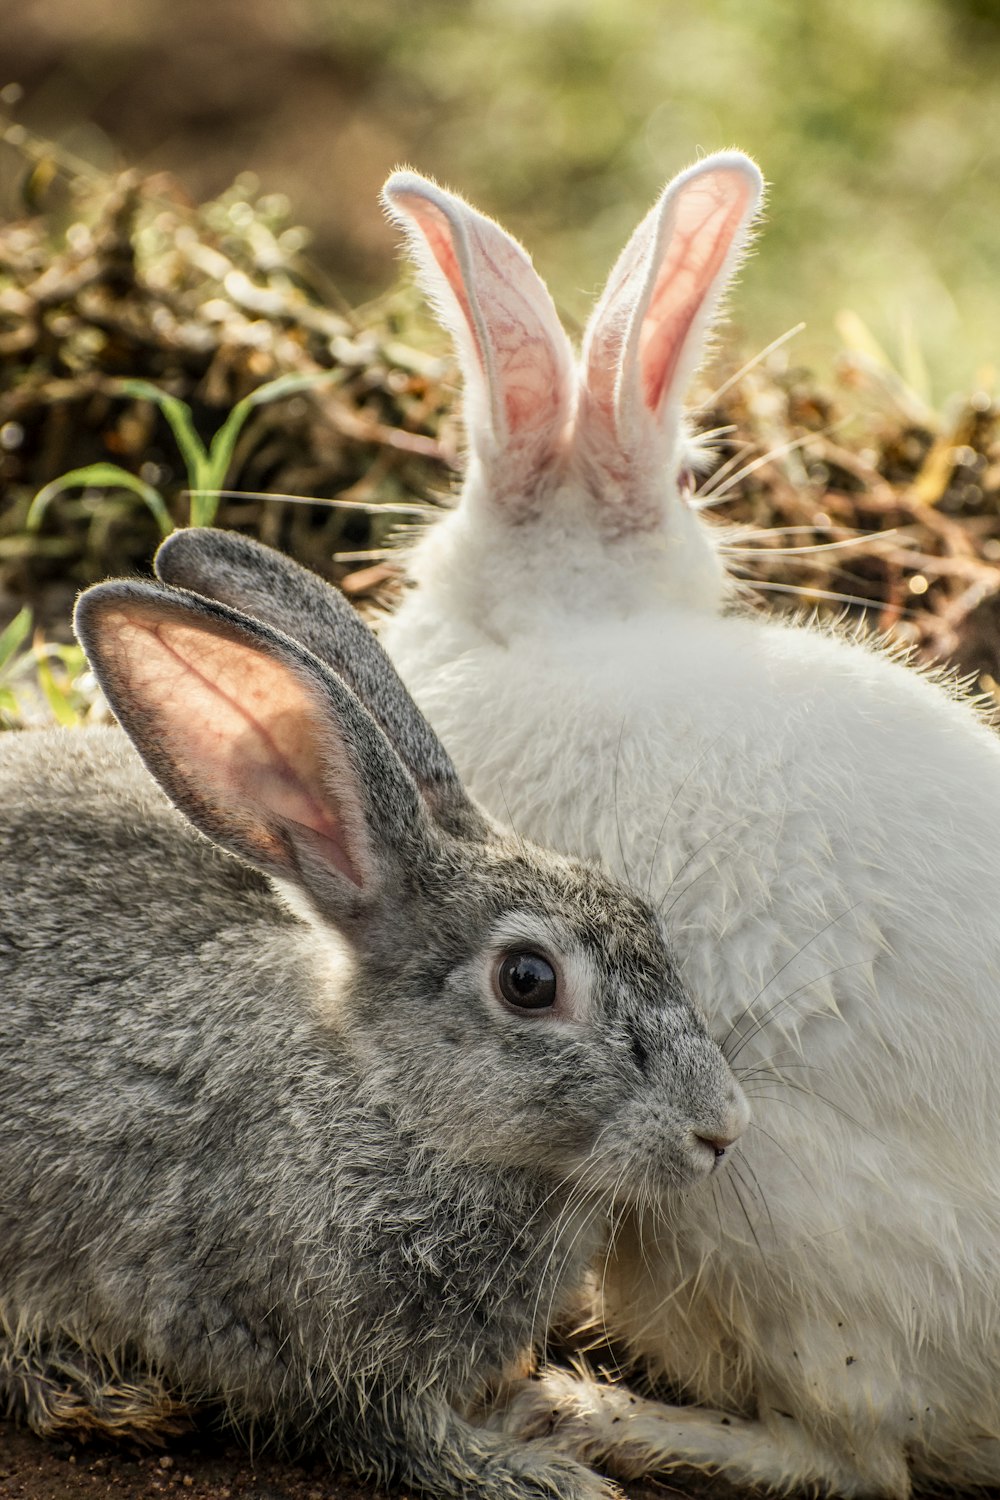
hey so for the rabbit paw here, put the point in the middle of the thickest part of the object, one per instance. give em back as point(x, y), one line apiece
point(608, 1425)
point(540, 1473)
point(68, 1392)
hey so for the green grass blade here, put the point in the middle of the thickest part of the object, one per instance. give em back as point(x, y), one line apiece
point(204, 502)
point(178, 415)
point(56, 697)
point(97, 476)
point(14, 636)
point(205, 498)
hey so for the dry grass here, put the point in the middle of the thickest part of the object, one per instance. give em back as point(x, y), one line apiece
point(854, 498)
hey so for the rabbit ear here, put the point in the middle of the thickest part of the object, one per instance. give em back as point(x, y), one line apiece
point(647, 333)
point(263, 748)
point(517, 362)
point(269, 586)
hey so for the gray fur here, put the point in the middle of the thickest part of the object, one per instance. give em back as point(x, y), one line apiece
point(273, 1146)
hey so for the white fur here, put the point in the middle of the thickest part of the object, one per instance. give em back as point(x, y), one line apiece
point(823, 827)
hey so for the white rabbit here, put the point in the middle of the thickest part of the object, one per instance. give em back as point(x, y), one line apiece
point(821, 827)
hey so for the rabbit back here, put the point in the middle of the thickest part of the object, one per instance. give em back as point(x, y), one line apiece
point(745, 774)
point(144, 1059)
point(767, 761)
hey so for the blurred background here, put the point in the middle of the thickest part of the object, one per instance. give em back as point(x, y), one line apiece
point(877, 124)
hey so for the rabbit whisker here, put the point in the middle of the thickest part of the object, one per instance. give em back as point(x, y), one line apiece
point(778, 973)
point(751, 364)
point(670, 807)
point(714, 867)
point(807, 592)
point(714, 493)
point(853, 541)
point(742, 1162)
point(615, 1222)
point(716, 1190)
point(370, 507)
point(546, 1244)
point(711, 433)
point(574, 1203)
point(365, 554)
point(741, 1166)
point(582, 1229)
point(614, 795)
point(755, 1125)
point(510, 821)
point(743, 447)
point(778, 1300)
point(800, 1088)
point(736, 1181)
point(764, 1020)
point(616, 1219)
point(739, 531)
point(775, 1062)
point(726, 828)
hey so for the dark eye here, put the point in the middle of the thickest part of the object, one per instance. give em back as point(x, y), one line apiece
point(527, 981)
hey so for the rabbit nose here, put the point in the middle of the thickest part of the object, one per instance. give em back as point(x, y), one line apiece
point(717, 1143)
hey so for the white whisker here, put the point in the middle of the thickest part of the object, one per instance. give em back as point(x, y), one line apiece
point(852, 541)
point(370, 507)
point(714, 494)
point(751, 364)
point(807, 592)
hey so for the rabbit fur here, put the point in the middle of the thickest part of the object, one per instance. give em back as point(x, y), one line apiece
point(820, 826)
point(271, 1138)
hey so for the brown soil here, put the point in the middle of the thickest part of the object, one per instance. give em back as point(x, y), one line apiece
point(200, 1468)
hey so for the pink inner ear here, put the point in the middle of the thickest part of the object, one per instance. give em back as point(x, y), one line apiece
point(437, 231)
point(533, 379)
point(706, 218)
point(247, 736)
point(608, 329)
point(520, 347)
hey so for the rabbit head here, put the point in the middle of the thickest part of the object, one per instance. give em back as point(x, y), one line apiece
point(583, 460)
point(513, 1007)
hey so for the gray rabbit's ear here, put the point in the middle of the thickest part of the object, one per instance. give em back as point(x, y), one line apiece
point(269, 586)
point(520, 378)
point(648, 332)
point(264, 749)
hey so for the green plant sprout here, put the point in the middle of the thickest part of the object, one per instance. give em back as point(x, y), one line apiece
point(206, 465)
point(60, 669)
point(60, 672)
point(11, 641)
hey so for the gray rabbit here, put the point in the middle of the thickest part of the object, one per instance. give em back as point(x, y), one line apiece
point(316, 1111)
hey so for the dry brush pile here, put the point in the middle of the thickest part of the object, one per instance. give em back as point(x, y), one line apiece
point(161, 347)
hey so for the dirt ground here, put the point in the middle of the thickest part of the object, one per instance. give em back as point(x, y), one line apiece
point(202, 1468)
point(197, 1468)
point(33, 1470)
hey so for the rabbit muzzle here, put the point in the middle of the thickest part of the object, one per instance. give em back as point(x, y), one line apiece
point(713, 1138)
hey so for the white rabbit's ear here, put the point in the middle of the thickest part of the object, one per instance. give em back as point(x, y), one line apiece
point(647, 333)
point(516, 359)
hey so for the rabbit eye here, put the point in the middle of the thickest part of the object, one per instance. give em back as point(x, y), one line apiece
point(527, 981)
